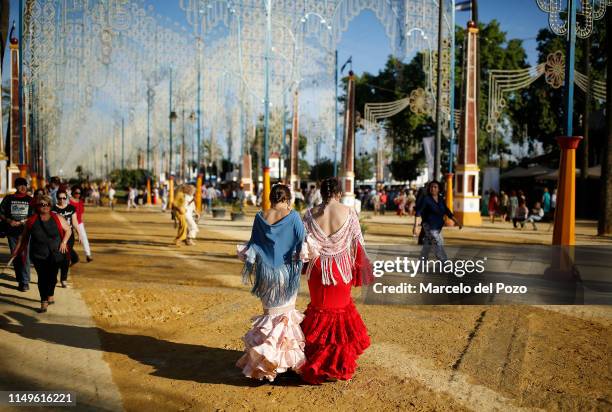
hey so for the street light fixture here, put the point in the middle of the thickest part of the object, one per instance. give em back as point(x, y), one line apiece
point(192, 120)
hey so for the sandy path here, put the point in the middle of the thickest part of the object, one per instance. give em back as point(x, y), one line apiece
point(171, 321)
point(57, 350)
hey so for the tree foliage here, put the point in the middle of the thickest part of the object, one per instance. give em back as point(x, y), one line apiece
point(540, 108)
point(124, 178)
point(496, 51)
point(404, 131)
point(322, 170)
point(364, 167)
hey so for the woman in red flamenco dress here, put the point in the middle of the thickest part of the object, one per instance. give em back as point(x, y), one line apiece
point(335, 333)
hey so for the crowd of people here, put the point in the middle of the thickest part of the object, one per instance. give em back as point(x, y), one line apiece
point(41, 226)
point(513, 207)
point(502, 207)
point(382, 198)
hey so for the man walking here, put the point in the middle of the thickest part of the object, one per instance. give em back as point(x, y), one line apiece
point(14, 211)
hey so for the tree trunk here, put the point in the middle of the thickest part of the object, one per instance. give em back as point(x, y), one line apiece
point(605, 217)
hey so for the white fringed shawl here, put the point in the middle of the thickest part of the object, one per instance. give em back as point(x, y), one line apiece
point(339, 247)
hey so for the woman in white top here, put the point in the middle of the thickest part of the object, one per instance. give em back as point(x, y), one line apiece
point(191, 215)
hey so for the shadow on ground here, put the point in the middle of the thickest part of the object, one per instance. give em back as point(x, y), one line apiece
point(171, 360)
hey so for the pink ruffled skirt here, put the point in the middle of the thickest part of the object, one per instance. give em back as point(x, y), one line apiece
point(274, 344)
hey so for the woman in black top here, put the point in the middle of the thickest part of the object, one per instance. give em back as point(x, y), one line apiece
point(47, 234)
point(68, 212)
point(431, 208)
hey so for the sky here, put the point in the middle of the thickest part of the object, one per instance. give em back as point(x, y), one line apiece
point(366, 41)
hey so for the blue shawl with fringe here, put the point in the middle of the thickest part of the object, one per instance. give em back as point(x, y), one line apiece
point(273, 257)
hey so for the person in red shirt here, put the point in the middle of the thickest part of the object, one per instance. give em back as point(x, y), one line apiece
point(78, 203)
point(383, 201)
point(493, 205)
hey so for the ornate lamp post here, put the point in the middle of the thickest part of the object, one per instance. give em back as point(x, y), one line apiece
point(171, 119)
point(150, 97)
point(265, 200)
point(122, 143)
point(294, 177)
point(198, 196)
point(348, 147)
point(466, 196)
point(15, 112)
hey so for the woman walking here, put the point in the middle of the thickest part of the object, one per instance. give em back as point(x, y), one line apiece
point(335, 333)
point(191, 215)
point(432, 209)
point(111, 197)
point(68, 212)
point(178, 213)
point(504, 205)
point(46, 234)
point(493, 205)
point(275, 342)
point(400, 201)
point(521, 214)
point(514, 204)
point(79, 205)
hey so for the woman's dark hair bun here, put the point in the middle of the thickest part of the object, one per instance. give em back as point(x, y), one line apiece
point(329, 188)
point(279, 194)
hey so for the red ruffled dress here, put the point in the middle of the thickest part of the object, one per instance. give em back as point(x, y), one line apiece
point(335, 333)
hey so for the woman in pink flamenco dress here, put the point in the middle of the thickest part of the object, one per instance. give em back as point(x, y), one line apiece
point(335, 333)
point(275, 342)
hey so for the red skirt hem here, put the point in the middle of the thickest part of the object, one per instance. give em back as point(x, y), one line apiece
point(334, 340)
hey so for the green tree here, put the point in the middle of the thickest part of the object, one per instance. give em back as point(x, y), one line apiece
point(79, 172)
point(322, 170)
point(394, 82)
point(405, 170)
point(302, 143)
point(124, 178)
point(364, 167)
point(496, 51)
point(303, 169)
point(539, 108)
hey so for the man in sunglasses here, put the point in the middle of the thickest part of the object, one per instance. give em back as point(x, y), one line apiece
point(14, 211)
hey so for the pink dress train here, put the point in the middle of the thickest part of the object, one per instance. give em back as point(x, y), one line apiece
point(274, 344)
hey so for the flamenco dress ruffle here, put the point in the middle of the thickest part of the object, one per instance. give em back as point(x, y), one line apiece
point(334, 331)
point(274, 344)
point(334, 340)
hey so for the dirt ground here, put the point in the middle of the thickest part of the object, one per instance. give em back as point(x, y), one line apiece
point(172, 320)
